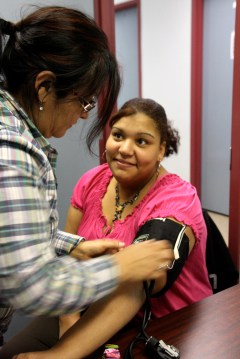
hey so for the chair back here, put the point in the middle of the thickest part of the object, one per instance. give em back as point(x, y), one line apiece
point(221, 269)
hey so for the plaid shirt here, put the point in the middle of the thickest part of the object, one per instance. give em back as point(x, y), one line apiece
point(32, 277)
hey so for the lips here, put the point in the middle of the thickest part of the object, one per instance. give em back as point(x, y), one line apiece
point(124, 163)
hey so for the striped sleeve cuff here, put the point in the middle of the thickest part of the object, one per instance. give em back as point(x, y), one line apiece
point(65, 242)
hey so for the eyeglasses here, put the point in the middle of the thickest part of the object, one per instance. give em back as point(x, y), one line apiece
point(88, 105)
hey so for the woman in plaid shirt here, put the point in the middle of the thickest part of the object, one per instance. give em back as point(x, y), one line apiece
point(55, 62)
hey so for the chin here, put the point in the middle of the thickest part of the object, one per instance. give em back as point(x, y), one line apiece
point(59, 134)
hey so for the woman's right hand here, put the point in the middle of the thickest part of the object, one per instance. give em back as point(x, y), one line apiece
point(142, 261)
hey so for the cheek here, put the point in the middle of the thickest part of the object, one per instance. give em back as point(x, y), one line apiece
point(111, 150)
point(110, 146)
point(147, 159)
point(71, 112)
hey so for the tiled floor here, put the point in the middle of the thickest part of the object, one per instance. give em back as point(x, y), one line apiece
point(222, 223)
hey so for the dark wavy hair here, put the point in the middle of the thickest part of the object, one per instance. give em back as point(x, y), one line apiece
point(157, 113)
point(68, 43)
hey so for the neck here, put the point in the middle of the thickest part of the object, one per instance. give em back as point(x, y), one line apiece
point(127, 190)
point(132, 196)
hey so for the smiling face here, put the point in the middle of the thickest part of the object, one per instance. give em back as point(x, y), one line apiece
point(134, 149)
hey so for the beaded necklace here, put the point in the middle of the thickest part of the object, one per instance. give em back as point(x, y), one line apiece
point(119, 207)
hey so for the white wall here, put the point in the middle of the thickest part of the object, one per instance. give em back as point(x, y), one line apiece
point(166, 54)
point(166, 40)
point(11, 9)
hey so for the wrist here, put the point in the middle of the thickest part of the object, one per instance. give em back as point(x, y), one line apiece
point(77, 251)
point(76, 244)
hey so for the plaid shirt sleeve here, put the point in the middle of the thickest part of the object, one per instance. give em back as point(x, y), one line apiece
point(65, 242)
point(32, 278)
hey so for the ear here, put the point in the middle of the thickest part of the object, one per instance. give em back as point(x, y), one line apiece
point(43, 83)
point(162, 150)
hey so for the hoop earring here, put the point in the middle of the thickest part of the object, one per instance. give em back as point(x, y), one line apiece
point(104, 155)
point(41, 102)
point(158, 167)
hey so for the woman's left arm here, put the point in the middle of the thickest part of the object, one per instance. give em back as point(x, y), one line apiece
point(161, 282)
point(182, 239)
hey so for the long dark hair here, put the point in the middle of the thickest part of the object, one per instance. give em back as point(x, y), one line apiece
point(157, 113)
point(68, 43)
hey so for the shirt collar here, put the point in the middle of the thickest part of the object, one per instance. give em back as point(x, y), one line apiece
point(28, 126)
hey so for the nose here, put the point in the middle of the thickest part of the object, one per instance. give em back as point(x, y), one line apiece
point(126, 148)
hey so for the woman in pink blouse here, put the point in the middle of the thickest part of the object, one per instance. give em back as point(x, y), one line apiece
point(113, 201)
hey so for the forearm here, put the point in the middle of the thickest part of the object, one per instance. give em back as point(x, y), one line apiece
point(49, 287)
point(101, 321)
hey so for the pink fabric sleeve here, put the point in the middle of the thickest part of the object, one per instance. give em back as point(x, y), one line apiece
point(178, 200)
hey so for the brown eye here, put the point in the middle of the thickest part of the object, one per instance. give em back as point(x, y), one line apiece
point(117, 136)
point(142, 141)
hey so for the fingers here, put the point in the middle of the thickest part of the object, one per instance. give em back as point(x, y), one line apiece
point(91, 249)
point(32, 355)
point(111, 244)
point(143, 260)
point(164, 243)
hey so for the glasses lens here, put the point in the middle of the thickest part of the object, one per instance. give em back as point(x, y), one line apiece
point(88, 105)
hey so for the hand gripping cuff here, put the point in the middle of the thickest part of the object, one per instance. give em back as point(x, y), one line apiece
point(164, 228)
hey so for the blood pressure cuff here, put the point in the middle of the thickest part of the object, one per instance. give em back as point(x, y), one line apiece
point(164, 228)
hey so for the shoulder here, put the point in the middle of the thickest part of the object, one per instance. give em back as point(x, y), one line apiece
point(178, 194)
point(186, 206)
point(96, 172)
point(17, 149)
point(171, 185)
point(10, 113)
point(174, 197)
point(90, 186)
point(170, 195)
point(94, 176)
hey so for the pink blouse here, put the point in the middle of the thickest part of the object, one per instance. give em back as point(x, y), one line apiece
point(170, 196)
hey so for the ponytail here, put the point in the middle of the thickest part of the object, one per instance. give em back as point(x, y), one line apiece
point(7, 28)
